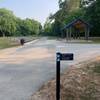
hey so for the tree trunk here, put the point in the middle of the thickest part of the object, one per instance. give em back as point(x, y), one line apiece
point(3, 34)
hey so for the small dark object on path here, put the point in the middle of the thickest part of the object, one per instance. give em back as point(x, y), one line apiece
point(22, 41)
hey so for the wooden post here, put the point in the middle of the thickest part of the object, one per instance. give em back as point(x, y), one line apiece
point(85, 33)
point(70, 34)
point(88, 33)
point(67, 34)
point(61, 34)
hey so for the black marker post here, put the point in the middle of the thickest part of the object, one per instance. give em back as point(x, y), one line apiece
point(59, 57)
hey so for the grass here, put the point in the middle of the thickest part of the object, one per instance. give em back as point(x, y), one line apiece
point(7, 42)
point(91, 40)
point(97, 68)
point(96, 40)
point(52, 37)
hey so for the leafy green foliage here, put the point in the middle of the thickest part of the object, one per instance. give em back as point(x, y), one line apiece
point(7, 22)
point(28, 27)
point(97, 68)
point(85, 3)
point(93, 16)
point(47, 28)
point(74, 15)
point(10, 25)
point(69, 10)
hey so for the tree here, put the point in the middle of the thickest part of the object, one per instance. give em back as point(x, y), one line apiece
point(27, 27)
point(86, 3)
point(10, 25)
point(68, 11)
point(47, 27)
point(92, 15)
point(7, 22)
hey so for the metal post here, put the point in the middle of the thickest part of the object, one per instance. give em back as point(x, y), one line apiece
point(58, 76)
point(60, 57)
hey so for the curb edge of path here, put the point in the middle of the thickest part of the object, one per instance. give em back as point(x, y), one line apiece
point(34, 41)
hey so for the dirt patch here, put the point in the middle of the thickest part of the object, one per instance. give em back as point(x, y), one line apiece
point(80, 82)
point(11, 56)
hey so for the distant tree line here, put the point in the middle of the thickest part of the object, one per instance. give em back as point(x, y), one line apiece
point(10, 25)
point(88, 10)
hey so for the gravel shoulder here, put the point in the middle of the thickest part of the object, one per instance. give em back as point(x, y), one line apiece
point(79, 82)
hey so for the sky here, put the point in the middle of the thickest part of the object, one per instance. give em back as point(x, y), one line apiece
point(35, 9)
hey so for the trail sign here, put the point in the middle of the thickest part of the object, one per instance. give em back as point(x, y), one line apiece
point(61, 57)
point(66, 56)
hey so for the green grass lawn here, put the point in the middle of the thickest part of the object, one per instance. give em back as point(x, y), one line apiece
point(96, 40)
point(7, 42)
point(97, 68)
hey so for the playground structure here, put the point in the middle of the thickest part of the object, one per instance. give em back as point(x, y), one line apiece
point(76, 29)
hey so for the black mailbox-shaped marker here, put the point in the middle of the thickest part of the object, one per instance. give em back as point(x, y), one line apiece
point(61, 57)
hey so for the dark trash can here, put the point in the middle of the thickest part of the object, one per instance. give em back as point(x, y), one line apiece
point(22, 41)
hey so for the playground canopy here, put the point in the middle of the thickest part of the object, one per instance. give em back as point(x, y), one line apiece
point(76, 27)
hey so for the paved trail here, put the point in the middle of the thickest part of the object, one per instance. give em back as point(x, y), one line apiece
point(24, 70)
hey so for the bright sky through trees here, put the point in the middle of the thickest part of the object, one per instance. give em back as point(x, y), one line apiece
point(37, 9)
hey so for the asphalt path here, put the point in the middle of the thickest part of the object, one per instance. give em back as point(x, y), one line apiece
point(24, 69)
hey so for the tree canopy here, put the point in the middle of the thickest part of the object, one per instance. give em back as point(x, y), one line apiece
point(10, 25)
point(89, 10)
point(7, 22)
point(69, 10)
point(93, 16)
